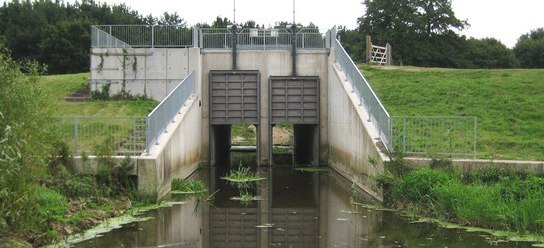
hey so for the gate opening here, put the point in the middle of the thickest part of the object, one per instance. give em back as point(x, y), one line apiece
point(295, 144)
point(231, 144)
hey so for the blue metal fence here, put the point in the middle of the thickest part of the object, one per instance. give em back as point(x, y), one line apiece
point(162, 115)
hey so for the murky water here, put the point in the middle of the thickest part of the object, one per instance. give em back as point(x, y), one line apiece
point(292, 209)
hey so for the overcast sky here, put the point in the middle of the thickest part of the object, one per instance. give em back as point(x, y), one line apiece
point(505, 20)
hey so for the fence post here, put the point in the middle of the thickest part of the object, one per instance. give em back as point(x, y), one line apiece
point(404, 135)
point(147, 136)
point(368, 48)
point(388, 54)
point(134, 135)
point(75, 136)
point(152, 36)
point(475, 135)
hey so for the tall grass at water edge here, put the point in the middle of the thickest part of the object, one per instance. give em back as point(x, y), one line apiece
point(508, 201)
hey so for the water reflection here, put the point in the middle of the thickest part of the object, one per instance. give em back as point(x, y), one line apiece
point(296, 209)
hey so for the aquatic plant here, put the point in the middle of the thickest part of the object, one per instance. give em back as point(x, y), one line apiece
point(186, 186)
point(243, 175)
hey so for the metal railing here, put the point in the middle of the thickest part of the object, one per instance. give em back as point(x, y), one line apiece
point(260, 39)
point(377, 113)
point(162, 115)
point(103, 135)
point(146, 36)
point(411, 135)
point(102, 39)
point(435, 135)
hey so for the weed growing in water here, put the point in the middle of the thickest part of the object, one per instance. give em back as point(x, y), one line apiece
point(243, 175)
point(190, 187)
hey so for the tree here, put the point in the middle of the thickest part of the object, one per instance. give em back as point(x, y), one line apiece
point(530, 49)
point(221, 22)
point(171, 19)
point(412, 27)
point(489, 53)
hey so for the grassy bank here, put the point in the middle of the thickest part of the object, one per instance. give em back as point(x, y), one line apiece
point(509, 104)
point(494, 199)
point(59, 86)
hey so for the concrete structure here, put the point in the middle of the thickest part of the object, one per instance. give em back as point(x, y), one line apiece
point(141, 71)
point(338, 134)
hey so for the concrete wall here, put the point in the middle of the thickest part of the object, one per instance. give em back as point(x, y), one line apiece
point(144, 71)
point(269, 63)
point(177, 154)
point(474, 165)
point(352, 138)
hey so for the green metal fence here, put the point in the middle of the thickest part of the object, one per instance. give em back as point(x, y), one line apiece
point(103, 134)
point(453, 136)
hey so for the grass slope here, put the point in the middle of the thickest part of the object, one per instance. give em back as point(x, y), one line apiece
point(59, 86)
point(509, 104)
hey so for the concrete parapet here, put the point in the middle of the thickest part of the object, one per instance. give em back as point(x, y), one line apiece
point(472, 165)
point(177, 153)
point(354, 152)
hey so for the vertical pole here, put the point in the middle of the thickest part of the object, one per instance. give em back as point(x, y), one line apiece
point(404, 134)
point(294, 48)
point(147, 136)
point(368, 48)
point(75, 136)
point(234, 46)
point(475, 134)
point(390, 138)
point(134, 136)
point(153, 37)
point(389, 55)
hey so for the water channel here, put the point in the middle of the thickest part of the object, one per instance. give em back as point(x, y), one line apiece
point(292, 209)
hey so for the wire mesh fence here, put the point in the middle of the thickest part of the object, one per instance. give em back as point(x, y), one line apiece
point(435, 135)
point(122, 36)
point(260, 39)
point(103, 135)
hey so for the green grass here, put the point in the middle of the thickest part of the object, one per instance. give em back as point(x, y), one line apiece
point(497, 200)
point(58, 86)
point(509, 104)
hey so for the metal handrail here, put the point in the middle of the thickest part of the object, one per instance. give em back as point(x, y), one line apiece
point(159, 119)
point(367, 97)
point(260, 39)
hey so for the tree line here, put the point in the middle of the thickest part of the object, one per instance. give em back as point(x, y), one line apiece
point(425, 33)
point(422, 33)
point(58, 34)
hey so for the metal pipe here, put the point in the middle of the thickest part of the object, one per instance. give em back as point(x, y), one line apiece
point(234, 29)
point(294, 49)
